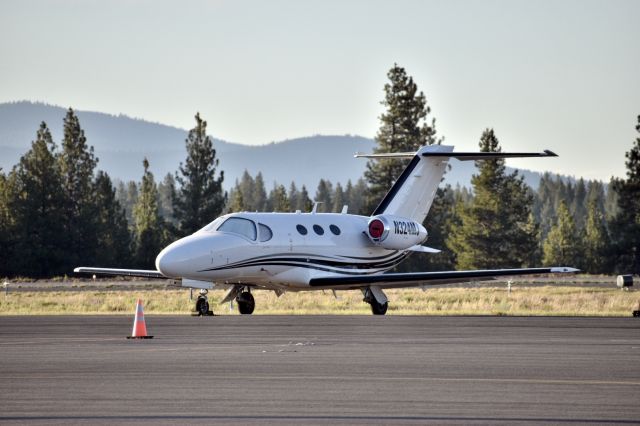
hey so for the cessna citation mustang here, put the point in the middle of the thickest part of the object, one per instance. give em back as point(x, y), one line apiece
point(317, 251)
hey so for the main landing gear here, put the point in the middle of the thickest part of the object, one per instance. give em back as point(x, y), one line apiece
point(379, 308)
point(246, 303)
point(377, 299)
point(202, 305)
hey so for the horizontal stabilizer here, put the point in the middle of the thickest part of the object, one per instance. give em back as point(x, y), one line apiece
point(462, 156)
point(472, 156)
point(386, 155)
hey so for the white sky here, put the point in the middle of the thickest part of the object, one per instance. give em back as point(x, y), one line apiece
point(560, 75)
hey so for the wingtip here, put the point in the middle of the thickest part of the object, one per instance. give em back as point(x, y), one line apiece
point(564, 270)
point(550, 153)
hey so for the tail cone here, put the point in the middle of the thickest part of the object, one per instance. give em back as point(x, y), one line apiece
point(139, 326)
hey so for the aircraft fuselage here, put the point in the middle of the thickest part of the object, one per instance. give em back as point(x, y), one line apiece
point(286, 250)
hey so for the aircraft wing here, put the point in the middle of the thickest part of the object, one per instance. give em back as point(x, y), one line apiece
point(144, 273)
point(419, 279)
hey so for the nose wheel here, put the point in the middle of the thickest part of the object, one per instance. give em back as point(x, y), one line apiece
point(246, 303)
point(202, 305)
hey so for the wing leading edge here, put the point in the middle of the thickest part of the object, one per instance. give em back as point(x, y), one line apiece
point(143, 273)
point(419, 279)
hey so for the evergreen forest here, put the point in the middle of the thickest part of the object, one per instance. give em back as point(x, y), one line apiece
point(58, 210)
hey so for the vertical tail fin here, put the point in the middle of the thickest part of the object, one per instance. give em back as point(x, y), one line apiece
point(412, 194)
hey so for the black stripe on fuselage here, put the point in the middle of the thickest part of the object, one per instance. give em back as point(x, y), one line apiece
point(371, 258)
point(322, 260)
point(313, 266)
point(316, 264)
point(396, 187)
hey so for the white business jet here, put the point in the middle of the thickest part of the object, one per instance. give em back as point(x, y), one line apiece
point(317, 251)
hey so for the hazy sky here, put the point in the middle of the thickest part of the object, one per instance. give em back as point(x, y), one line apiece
point(560, 75)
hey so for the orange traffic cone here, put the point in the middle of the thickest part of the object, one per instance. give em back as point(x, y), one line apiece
point(139, 326)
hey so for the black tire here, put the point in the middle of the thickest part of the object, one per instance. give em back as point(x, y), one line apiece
point(379, 308)
point(202, 306)
point(246, 303)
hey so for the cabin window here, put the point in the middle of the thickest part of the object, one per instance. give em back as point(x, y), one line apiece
point(334, 229)
point(318, 229)
point(265, 232)
point(240, 226)
point(301, 229)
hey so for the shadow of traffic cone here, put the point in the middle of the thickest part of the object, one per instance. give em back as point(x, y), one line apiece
point(139, 326)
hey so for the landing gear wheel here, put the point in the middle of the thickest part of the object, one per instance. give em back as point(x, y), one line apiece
point(202, 306)
point(246, 303)
point(379, 308)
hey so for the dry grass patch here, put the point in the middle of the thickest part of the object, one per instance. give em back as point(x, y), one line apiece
point(546, 300)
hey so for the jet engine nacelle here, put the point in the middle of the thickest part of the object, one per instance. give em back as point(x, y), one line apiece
point(395, 232)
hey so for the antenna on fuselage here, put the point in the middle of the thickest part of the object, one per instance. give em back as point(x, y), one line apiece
point(314, 210)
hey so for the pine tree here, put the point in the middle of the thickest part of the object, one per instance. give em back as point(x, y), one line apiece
point(304, 203)
point(166, 194)
point(132, 200)
point(113, 238)
point(596, 194)
point(246, 187)
point(521, 230)
point(6, 260)
point(561, 247)
point(626, 224)
point(404, 128)
point(278, 199)
point(236, 202)
point(77, 163)
point(148, 223)
point(493, 231)
point(545, 203)
point(200, 198)
point(357, 198)
point(532, 251)
point(324, 196)
point(294, 195)
point(259, 195)
point(611, 201)
point(595, 241)
point(579, 203)
point(338, 199)
point(37, 206)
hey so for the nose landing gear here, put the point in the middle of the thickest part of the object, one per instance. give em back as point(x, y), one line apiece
point(202, 305)
point(246, 303)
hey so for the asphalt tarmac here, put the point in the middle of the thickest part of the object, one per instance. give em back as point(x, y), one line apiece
point(320, 370)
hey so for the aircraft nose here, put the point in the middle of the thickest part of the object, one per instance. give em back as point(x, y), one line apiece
point(179, 258)
point(165, 262)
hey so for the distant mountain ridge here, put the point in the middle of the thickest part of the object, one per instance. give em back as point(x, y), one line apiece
point(121, 143)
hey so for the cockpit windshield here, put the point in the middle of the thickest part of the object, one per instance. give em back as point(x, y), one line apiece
point(241, 226)
point(212, 226)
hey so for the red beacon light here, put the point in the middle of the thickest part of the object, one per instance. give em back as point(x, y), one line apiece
point(376, 228)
